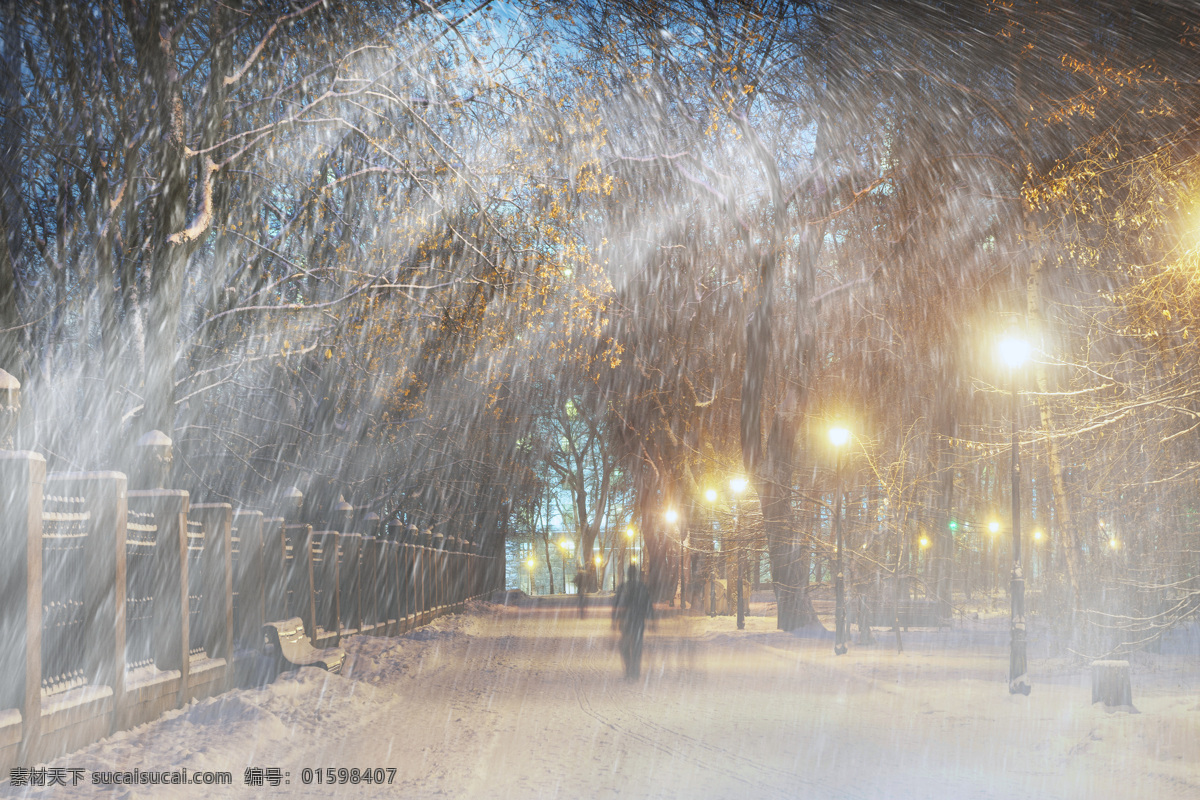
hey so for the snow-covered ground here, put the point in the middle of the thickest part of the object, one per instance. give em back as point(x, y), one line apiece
point(529, 701)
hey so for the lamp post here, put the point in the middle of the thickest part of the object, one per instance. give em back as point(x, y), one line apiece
point(1014, 353)
point(994, 548)
point(737, 486)
point(711, 497)
point(630, 536)
point(672, 517)
point(531, 564)
point(839, 437)
point(563, 547)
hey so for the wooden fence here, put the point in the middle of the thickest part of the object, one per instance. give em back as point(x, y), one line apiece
point(118, 605)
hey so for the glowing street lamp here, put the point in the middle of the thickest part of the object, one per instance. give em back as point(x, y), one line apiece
point(1015, 352)
point(839, 438)
point(993, 527)
point(711, 495)
point(531, 564)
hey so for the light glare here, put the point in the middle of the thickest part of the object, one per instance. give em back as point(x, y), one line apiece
point(839, 436)
point(1014, 352)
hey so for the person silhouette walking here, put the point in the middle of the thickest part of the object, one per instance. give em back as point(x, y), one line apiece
point(631, 608)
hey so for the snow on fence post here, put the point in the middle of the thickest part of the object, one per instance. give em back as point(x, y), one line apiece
point(216, 567)
point(106, 502)
point(249, 581)
point(22, 477)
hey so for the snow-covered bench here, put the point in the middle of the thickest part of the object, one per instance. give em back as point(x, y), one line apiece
point(289, 644)
point(906, 613)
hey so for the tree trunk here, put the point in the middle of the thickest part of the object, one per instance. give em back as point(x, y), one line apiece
point(11, 219)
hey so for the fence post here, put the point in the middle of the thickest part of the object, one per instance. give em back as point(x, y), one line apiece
point(459, 572)
point(426, 562)
point(396, 581)
point(216, 566)
point(369, 608)
point(326, 580)
point(408, 561)
point(469, 549)
point(171, 623)
point(439, 575)
point(379, 577)
point(249, 580)
point(451, 579)
point(106, 500)
point(22, 476)
point(10, 407)
point(274, 583)
point(348, 563)
point(375, 550)
point(299, 576)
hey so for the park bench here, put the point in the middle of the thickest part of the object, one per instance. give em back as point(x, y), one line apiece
point(908, 613)
point(291, 647)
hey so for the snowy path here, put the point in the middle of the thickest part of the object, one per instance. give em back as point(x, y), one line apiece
point(529, 703)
